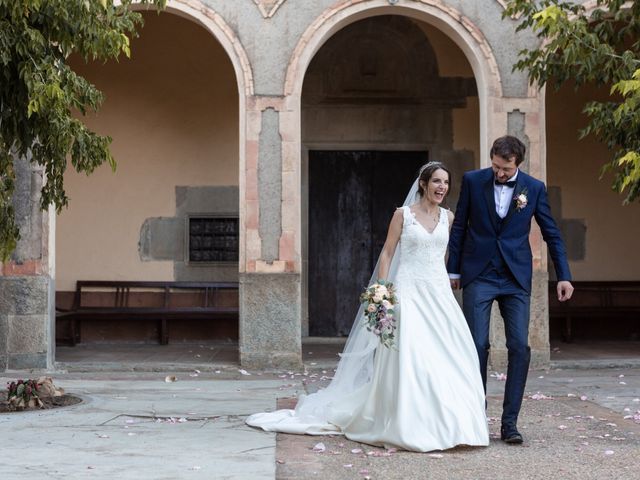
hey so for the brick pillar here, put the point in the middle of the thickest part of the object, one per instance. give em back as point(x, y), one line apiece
point(27, 310)
point(270, 334)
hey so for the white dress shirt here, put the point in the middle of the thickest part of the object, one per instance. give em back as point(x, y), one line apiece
point(503, 196)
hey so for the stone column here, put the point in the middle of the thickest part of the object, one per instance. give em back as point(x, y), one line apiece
point(27, 309)
point(270, 334)
point(525, 120)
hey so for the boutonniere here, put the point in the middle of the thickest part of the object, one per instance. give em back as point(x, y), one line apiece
point(521, 200)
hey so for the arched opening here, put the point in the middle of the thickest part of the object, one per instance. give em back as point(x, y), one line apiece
point(173, 113)
point(381, 96)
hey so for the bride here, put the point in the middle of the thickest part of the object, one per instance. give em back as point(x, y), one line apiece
point(426, 393)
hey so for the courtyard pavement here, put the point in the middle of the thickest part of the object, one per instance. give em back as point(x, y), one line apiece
point(580, 420)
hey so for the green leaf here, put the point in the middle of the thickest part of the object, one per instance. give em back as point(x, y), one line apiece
point(39, 91)
point(601, 48)
point(548, 16)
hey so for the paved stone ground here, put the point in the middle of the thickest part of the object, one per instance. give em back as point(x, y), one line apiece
point(573, 421)
point(137, 426)
point(590, 447)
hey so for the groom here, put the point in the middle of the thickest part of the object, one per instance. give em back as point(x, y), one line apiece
point(490, 258)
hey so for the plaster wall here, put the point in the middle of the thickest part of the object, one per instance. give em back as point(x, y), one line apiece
point(610, 239)
point(172, 112)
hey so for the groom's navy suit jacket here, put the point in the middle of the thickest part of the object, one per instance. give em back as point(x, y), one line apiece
point(478, 234)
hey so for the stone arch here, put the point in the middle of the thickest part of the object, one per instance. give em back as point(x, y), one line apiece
point(204, 16)
point(494, 115)
point(459, 28)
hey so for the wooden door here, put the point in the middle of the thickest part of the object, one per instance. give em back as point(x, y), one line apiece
point(352, 197)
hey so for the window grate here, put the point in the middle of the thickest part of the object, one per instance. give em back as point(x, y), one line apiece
point(213, 239)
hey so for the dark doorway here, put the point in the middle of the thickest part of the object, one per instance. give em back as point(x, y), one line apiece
point(352, 196)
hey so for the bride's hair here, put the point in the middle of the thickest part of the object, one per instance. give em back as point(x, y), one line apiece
point(427, 170)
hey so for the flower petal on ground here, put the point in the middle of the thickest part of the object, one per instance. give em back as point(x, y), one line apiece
point(539, 396)
point(319, 447)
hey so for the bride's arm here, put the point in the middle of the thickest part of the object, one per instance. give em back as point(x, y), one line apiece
point(450, 215)
point(393, 236)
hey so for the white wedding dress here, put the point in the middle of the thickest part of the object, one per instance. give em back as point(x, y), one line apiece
point(424, 394)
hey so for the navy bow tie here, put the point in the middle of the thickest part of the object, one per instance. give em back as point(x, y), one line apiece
point(510, 183)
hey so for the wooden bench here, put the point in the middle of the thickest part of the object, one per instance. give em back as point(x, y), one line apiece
point(159, 301)
point(595, 299)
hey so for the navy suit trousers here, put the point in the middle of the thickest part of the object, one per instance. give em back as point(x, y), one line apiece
point(497, 283)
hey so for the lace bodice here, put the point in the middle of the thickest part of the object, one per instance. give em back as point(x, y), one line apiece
point(422, 253)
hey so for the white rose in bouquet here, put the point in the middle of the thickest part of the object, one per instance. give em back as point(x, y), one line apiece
point(381, 290)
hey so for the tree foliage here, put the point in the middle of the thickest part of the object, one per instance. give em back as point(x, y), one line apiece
point(601, 47)
point(39, 92)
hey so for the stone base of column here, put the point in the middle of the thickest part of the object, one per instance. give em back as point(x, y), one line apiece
point(270, 335)
point(27, 337)
point(498, 359)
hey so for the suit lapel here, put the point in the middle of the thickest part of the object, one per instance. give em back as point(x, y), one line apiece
point(491, 201)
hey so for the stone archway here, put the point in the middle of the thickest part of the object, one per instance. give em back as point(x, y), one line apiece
point(458, 28)
point(498, 115)
point(383, 94)
point(29, 334)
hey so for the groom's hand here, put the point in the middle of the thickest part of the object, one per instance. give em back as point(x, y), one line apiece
point(565, 290)
point(455, 283)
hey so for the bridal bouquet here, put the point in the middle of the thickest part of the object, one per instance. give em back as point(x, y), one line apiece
point(378, 301)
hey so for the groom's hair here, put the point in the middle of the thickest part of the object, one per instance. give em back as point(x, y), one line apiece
point(508, 147)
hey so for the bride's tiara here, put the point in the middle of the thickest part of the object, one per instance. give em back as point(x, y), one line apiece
point(429, 164)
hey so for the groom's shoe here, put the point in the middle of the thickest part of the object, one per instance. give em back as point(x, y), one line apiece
point(510, 434)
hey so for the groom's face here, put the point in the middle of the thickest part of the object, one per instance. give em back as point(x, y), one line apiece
point(503, 168)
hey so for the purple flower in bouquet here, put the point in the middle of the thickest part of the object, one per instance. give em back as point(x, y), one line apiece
point(378, 301)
